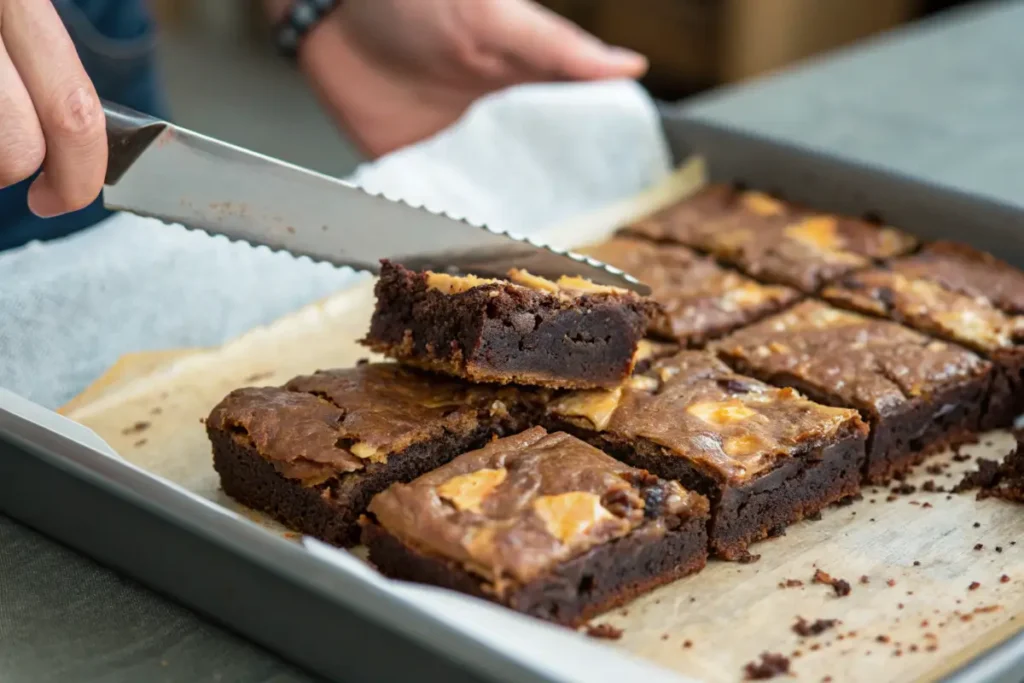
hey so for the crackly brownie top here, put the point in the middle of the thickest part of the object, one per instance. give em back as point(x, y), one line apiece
point(964, 269)
point(776, 240)
point(523, 504)
point(929, 306)
point(336, 421)
point(698, 296)
point(874, 365)
point(732, 427)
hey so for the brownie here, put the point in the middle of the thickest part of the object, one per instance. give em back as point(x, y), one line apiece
point(314, 452)
point(972, 321)
point(919, 394)
point(765, 457)
point(526, 330)
point(962, 268)
point(771, 240)
point(541, 523)
point(700, 300)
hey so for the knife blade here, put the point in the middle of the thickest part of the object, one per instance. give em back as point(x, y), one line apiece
point(164, 171)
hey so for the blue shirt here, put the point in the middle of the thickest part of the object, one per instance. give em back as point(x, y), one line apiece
point(115, 41)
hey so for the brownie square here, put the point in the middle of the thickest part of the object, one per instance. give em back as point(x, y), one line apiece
point(772, 240)
point(699, 299)
point(918, 394)
point(313, 453)
point(930, 307)
point(526, 330)
point(765, 457)
point(541, 523)
point(964, 269)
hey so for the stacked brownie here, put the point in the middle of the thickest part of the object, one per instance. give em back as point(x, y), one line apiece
point(560, 447)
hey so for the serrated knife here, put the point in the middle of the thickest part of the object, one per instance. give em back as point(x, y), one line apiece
point(161, 170)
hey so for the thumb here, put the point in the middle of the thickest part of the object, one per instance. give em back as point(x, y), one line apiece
point(552, 47)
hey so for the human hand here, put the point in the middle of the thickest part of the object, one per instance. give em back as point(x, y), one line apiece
point(393, 72)
point(50, 114)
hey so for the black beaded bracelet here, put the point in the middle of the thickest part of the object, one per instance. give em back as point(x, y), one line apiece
point(301, 18)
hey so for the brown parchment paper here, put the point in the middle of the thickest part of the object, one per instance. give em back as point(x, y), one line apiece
point(913, 615)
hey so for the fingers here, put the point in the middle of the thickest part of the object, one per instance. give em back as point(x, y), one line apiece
point(553, 47)
point(21, 139)
point(66, 104)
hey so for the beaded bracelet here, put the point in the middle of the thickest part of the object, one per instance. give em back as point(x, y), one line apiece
point(302, 17)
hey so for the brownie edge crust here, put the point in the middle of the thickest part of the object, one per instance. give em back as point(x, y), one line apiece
point(602, 579)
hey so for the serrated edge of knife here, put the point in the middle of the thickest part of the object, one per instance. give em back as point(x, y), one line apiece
point(579, 258)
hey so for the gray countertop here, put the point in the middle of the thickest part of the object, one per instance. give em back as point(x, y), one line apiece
point(942, 101)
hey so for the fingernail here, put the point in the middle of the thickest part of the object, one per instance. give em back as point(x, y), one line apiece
point(42, 200)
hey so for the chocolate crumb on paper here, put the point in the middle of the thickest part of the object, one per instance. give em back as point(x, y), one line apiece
point(806, 629)
point(790, 583)
point(137, 428)
point(974, 586)
point(841, 587)
point(604, 631)
point(772, 664)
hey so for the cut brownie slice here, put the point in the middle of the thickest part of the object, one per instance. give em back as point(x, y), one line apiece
point(700, 300)
point(919, 394)
point(765, 457)
point(313, 453)
point(930, 307)
point(541, 523)
point(962, 268)
point(775, 241)
point(526, 330)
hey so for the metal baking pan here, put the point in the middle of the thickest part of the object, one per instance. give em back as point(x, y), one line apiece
point(341, 622)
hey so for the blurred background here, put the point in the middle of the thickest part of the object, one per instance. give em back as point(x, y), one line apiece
point(217, 61)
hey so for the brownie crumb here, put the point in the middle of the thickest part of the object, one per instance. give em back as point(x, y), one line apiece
point(664, 636)
point(850, 500)
point(1003, 480)
point(913, 648)
point(917, 563)
point(687, 644)
point(805, 628)
point(883, 638)
point(202, 420)
point(814, 517)
point(977, 525)
point(136, 428)
point(978, 546)
point(961, 457)
point(748, 558)
point(790, 583)
point(926, 505)
point(890, 582)
point(933, 469)
point(987, 608)
point(931, 487)
point(999, 548)
point(841, 587)
point(1004, 579)
point(864, 579)
point(890, 498)
point(904, 489)
point(605, 631)
point(974, 586)
point(771, 665)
